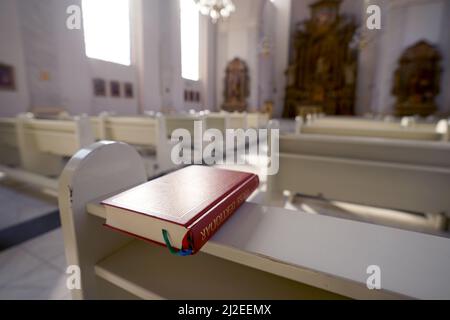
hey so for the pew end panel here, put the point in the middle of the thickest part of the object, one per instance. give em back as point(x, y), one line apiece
point(9, 152)
point(93, 173)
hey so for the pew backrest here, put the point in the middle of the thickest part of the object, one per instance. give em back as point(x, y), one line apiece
point(217, 120)
point(237, 121)
point(372, 128)
point(257, 120)
point(8, 135)
point(429, 153)
point(57, 137)
point(394, 174)
point(143, 131)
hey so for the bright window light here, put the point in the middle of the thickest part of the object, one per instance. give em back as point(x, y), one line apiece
point(190, 30)
point(107, 30)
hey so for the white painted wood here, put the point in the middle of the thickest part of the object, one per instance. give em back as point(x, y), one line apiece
point(390, 150)
point(238, 120)
point(9, 154)
point(394, 174)
point(320, 251)
point(93, 172)
point(34, 179)
point(257, 120)
point(150, 272)
point(346, 251)
point(146, 133)
point(217, 120)
point(406, 128)
point(8, 132)
point(41, 146)
point(334, 253)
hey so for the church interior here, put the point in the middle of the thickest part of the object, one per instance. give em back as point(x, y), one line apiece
point(351, 101)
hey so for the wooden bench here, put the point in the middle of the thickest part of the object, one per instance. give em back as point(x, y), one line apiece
point(257, 120)
point(404, 175)
point(406, 130)
point(9, 151)
point(238, 120)
point(260, 253)
point(42, 146)
point(148, 134)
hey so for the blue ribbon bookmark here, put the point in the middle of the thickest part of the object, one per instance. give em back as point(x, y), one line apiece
point(181, 253)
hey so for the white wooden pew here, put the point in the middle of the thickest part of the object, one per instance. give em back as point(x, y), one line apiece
point(148, 134)
point(406, 129)
point(42, 146)
point(233, 120)
point(238, 120)
point(411, 176)
point(260, 253)
point(217, 120)
point(9, 151)
point(257, 120)
point(187, 122)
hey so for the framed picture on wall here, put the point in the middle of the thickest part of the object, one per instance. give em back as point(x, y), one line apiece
point(7, 79)
point(128, 89)
point(99, 87)
point(115, 88)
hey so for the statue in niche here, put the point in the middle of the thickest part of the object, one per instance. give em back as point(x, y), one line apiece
point(416, 80)
point(322, 70)
point(236, 86)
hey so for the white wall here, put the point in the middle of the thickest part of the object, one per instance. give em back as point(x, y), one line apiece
point(39, 36)
point(40, 26)
point(11, 53)
point(147, 54)
point(73, 66)
point(238, 36)
point(282, 41)
point(208, 60)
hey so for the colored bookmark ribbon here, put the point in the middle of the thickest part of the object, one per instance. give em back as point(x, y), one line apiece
point(182, 253)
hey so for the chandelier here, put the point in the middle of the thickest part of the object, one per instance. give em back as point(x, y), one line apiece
point(216, 9)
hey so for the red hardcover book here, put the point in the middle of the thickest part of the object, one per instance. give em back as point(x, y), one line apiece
point(182, 209)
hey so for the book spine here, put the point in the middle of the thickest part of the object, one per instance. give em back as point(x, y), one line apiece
point(204, 228)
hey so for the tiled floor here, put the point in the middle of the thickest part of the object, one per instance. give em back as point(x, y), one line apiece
point(35, 269)
point(20, 203)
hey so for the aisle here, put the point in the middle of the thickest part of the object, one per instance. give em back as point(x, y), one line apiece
point(35, 269)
